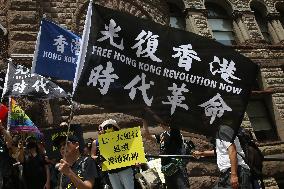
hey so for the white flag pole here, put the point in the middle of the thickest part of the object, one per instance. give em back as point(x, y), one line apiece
point(9, 115)
point(6, 78)
point(36, 48)
point(83, 48)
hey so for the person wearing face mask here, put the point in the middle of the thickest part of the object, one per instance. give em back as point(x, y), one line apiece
point(120, 178)
point(35, 169)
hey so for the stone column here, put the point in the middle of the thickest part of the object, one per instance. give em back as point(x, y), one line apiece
point(273, 19)
point(273, 33)
point(189, 21)
point(239, 27)
point(196, 21)
point(253, 29)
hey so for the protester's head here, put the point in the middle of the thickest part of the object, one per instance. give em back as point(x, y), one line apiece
point(31, 142)
point(107, 126)
point(88, 146)
point(72, 147)
point(16, 139)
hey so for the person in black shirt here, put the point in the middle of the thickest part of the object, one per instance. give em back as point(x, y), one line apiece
point(8, 180)
point(35, 169)
point(171, 142)
point(79, 172)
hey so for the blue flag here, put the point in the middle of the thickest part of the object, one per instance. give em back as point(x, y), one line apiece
point(56, 53)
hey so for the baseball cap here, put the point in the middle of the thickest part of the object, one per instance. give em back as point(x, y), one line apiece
point(108, 122)
point(58, 140)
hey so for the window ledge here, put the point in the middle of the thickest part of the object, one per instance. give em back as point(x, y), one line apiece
point(258, 46)
point(270, 143)
point(263, 92)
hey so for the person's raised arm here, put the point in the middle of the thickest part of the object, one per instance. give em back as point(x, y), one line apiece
point(7, 136)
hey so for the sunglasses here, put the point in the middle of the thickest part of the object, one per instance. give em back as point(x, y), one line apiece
point(106, 127)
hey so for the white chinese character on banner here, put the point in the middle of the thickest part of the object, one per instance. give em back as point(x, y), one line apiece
point(143, 88)
point(111, 32)
point(60, 42)
point(177, 97)
point(215, 107)
point(41, 84)
point(59, 89)
point(20, 87)
point(185, 54)
point(104, 79)
point(226, 69)
point(21, 70)
point(75, 46)
point(152, 44)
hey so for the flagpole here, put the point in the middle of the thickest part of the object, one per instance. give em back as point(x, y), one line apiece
point(36, 48)
point(9, 115)
point(83, 48)
point(68, 130)
point(6, 78)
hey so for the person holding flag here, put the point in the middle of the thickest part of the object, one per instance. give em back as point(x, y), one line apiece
point(79, 172)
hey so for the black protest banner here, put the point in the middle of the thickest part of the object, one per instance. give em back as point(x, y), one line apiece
point(51, 134)
point(192, 81)
point(20, 81)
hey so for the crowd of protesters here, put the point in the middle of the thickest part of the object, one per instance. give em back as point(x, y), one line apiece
point(24, 163)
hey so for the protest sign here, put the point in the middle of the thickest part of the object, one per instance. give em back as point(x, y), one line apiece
point(122, 148)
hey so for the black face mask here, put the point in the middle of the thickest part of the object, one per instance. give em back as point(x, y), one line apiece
point(31, 145)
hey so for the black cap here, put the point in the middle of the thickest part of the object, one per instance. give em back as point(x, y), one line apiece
point(58, 140)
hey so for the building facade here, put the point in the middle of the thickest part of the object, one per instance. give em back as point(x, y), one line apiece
point(255, 28)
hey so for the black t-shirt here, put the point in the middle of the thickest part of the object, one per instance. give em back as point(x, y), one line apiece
point(7, 171)
point(34, 171)
point(5, 163)
point(85, 168)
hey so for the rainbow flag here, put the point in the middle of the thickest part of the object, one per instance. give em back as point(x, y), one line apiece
point(18, 121)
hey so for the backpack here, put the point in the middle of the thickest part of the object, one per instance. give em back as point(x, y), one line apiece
point(149, 179)
point(253, 156)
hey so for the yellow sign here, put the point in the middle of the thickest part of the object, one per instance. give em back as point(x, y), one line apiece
point(122, 148)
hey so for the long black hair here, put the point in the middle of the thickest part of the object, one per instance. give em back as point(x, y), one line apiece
point(174, 143)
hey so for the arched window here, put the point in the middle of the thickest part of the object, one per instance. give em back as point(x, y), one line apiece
point(261, 20)
point(259, 114)
point(177, 19)
point(221, 24)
